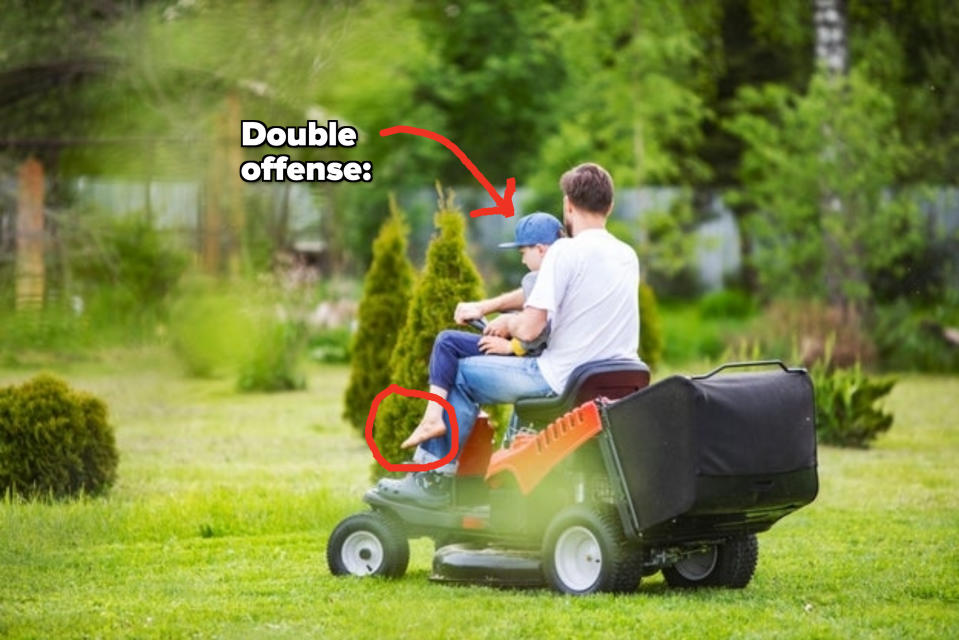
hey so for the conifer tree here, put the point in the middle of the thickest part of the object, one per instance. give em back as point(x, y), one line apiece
point(449, 276)
point(382, 313)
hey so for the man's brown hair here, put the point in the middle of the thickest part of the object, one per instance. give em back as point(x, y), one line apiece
point(589, 187)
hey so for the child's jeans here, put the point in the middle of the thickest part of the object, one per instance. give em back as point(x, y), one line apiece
point(448, 348)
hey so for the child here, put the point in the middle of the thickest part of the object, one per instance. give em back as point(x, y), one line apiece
point(534, 234)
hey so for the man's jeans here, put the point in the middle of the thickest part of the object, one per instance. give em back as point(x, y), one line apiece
point(483, 380)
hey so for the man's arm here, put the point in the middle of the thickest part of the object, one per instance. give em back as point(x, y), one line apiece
point(528, 324)
point(466, 311)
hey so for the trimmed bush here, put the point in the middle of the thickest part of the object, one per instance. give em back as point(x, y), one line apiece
point(449, 277)
point(650, 327)
point(846, 414)
point(382, 312)
point(54, 441)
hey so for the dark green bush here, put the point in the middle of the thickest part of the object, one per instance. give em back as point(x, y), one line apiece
point(650, 327)
point(54, 441)
point(846, 412)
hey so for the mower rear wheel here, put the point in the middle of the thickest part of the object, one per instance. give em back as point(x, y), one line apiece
point(584, 551)
point(730, 564)
point(368, 544)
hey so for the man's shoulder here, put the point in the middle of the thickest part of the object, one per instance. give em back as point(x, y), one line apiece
point(559, 251)
point(605, 241)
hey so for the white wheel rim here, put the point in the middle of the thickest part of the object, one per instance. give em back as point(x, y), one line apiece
point(362, 553)
point(698, 566)
point(578, 558)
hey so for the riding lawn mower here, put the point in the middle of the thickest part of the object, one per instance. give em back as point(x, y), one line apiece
point(612, 480)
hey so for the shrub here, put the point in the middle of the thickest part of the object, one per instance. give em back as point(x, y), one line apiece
point(728, 303)
point(211, 329)
point(55, 327)
point(129, 276)
point(331, 346)
point(650, 327)
point(846, 414)
point(912, 339)
point(448, 277)
point(274, 361)
point(381, 314)
point(689, 337)
point(54, 441)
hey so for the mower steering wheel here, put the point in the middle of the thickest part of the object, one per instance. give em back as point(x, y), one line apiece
point(477, 323)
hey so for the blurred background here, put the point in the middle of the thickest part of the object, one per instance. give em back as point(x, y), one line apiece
point(785, 170)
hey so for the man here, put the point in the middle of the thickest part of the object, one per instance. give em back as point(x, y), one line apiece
point(533, 237)
point(587, 287)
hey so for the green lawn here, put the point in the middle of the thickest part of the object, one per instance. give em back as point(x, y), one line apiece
point(218, 523)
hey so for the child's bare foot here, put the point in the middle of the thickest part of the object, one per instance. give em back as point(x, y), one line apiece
point(428, 428)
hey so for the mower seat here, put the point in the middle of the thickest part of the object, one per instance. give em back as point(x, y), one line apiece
point(615, 378)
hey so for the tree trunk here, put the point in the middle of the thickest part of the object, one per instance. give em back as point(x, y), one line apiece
point(832, 56)
point(239, 259)
point(30, 236)
point(832, 51)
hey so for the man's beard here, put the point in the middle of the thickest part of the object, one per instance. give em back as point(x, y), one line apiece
point(568, 226)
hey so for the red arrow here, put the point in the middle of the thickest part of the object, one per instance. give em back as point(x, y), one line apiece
point(504, 203)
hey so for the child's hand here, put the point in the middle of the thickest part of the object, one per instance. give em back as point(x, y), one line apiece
point(498, 326)
point(493, 345)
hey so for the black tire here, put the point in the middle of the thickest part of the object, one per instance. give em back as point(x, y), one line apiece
point(730, 564)
point(368, 544)
point(586, 530)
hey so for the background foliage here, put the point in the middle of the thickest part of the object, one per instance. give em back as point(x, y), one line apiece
point(705, 98)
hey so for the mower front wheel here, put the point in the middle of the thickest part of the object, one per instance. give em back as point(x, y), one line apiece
point(584, 551)
point(368, 544)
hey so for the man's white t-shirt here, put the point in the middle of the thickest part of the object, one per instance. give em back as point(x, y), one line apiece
point(589, 285)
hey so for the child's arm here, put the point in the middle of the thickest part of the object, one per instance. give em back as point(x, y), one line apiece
point(477, 309)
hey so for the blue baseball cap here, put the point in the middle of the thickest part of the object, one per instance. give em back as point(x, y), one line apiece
point(536, 228)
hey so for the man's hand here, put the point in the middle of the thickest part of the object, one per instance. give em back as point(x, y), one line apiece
point(499, 326)
point(466, 311)
point(494, 345)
